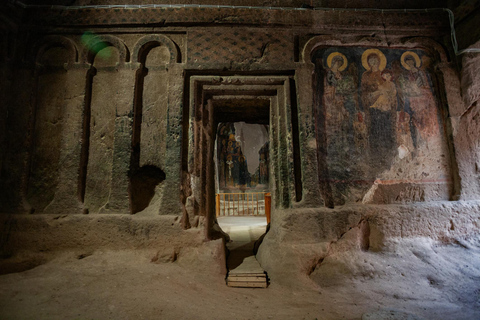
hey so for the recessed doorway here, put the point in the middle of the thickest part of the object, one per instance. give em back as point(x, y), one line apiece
point(242, 184)
point(213, 100)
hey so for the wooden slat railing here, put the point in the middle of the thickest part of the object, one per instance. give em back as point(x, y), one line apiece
point(241, 204)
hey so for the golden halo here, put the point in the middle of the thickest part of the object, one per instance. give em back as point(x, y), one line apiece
point(381, 56)
point(414, 56)
point(333, 55)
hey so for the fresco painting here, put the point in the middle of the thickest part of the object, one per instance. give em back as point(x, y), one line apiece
point(376, 110)
point(233, 173)
point(263, 170)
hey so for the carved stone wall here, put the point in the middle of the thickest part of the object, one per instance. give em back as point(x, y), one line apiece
point(93, 121)
point(115, 110)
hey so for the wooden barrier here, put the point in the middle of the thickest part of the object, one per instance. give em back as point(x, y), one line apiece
point(240, 204)
point(268, 206)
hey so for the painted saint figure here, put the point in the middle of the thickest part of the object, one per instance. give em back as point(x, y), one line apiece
point(340, 100)
point(242, 172)
point(379, 98)
point(263, 164)
point(374, 62)
point(229, 162)
point(232, 165)
point(336, 112)
point(397, 131)
point(418, 93)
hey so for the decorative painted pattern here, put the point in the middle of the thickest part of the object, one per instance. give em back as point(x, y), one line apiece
point(239, 46)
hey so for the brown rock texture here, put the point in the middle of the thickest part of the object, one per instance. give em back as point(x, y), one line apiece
point(110, 116)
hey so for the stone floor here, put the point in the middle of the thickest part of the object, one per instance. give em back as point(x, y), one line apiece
point(243, 229)
point(419, 279)
point(243, 232)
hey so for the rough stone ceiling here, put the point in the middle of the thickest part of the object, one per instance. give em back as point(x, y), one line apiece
point(393, 4)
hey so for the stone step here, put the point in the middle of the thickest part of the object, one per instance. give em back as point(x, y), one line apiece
point(249, 274)
point(245, 284)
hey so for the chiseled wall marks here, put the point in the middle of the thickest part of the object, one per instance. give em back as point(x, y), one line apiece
point(105, 85)
point(48, 129)
point(155, 107)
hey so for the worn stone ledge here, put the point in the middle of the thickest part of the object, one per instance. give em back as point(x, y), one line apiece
point(429, 219)
point(53, 232)
point(300, 238)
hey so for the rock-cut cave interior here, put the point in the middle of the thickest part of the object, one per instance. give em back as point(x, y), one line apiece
point(240, 159)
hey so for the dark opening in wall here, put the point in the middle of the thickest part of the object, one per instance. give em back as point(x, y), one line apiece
point(142, 186)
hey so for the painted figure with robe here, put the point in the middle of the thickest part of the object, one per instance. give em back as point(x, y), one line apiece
point(232, 166)
point(228, 153)
point(379, 99)
point(263, 175)
point(418, 93)
point(243, 175)
point(233, 153)
point(341, 101)
point(391, 114)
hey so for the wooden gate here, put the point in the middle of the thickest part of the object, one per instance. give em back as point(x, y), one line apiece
point(241, 204)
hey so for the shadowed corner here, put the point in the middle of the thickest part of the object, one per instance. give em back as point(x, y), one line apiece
point(142, 187)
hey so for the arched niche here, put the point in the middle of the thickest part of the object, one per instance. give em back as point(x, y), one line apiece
point(157, 56)
point(381, 126)
point(107, 56)
point(149, 140)
point(59, 48)
point(51, 95)
point(55, 56)
point(95, 44)
point(145, 44)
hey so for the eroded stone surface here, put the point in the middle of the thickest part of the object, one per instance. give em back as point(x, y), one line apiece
point(390, 315)
point(300, 239)
point(122, 120)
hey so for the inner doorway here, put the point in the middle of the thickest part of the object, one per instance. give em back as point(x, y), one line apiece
point(265, 99)
point(241, 159)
